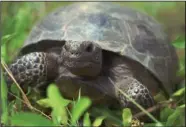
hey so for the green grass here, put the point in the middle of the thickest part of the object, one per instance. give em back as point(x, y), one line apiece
point(18, 18)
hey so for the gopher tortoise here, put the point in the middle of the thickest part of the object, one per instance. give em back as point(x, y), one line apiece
point(100, 48)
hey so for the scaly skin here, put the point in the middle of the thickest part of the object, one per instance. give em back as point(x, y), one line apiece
point(137, 91)
point(33, 69)
point(140, 94)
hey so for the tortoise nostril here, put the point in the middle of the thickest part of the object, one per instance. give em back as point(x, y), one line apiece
point(74, 53)
point(89, 48)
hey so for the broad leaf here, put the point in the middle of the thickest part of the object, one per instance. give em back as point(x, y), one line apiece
point(177, 118)
point(79, 108)
point(29, 119)
point(179, 92)
point(165, 113)
point(86, 120)
point(58, 104)
point(98, 121)
point(127, 117)
point(179, 42)
point(44, 103)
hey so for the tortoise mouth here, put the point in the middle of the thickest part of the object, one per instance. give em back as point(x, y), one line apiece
point(82, 68)
point(77, 63)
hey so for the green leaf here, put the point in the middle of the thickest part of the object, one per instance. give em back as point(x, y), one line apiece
point(179, 92)
point(179, 42)
point(59, 116)
point(6, 38)
point(29, 119)
point(56, 97)
point(181, 71)
point(182, 106)
point(79, 108)
point(112, 116)
point(44, 103)
point(58, 104)
point(160, 97)
point(165, 113)
point(98, 121)
point(127, 117)
point(162, 124)
point(177, 118)
point(4, 53)
point(150, 125)
point(11, 107)
point(86, 120)
point(14, 89)
point(159, 124)
point(4, 93)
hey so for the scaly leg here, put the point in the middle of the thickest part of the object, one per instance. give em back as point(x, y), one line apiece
point(137, 91)
point(33, 69)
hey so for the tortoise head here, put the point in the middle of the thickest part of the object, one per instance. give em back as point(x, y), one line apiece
point(82, 58)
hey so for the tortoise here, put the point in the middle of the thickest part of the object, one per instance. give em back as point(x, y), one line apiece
point(100, 48)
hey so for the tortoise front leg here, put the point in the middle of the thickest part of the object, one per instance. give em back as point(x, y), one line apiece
point(137, 91)
point(33, 68)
